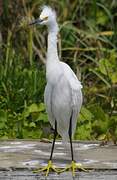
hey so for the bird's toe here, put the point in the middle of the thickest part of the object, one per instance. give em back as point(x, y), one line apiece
point(73, 167)
point(48, 168)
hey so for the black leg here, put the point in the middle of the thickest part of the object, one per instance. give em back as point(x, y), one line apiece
point(70, 137)
point(55, 134)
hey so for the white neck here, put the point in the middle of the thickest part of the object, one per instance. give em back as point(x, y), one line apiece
point(52, 53)
point(53, 69)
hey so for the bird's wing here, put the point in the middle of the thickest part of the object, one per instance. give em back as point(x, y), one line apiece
point(75, 86)
point(48, 102)
point(70, 75)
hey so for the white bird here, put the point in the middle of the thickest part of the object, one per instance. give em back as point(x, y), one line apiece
point(63, 95)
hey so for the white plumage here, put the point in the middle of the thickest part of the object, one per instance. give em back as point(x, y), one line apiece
point(63, 96)
point(63, 99)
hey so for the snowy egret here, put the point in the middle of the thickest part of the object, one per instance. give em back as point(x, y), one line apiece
point(63, 95)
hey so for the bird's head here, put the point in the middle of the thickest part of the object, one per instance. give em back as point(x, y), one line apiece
point(47, 17)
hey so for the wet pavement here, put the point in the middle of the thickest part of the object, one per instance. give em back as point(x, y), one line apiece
point(19, 158)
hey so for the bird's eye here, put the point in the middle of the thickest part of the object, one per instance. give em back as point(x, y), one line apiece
point(45, 18)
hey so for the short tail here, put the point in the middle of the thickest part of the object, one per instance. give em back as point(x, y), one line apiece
point(66, 135)
point(65, 139)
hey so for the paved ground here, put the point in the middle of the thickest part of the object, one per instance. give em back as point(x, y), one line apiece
point(18, 158)
point(28, 175)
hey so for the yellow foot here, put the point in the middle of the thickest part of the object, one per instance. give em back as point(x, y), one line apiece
point(47, 168)
point(73, 166)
